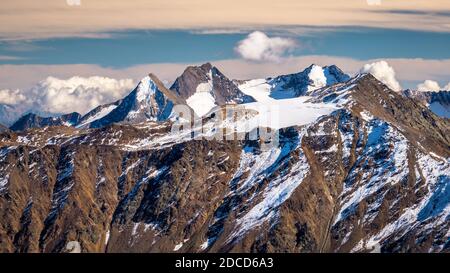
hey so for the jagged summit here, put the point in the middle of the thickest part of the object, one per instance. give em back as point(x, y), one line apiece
point(204, 87)
point(312, 78)
point(294, 85)
point(149, 101)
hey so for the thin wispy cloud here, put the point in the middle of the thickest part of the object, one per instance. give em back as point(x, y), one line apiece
point(44, 17)
point(9, 58)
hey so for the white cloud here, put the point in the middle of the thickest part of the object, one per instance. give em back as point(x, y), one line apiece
point(447, 87)
point(384, 73)
point(79, 94)
point(259, 47)
point(429, 85)
point(12, 97)
point(76, 94)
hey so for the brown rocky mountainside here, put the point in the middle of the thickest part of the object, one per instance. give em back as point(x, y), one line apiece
point(372, 176)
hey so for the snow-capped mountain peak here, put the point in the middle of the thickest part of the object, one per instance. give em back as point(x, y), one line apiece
point(204, 87)
point(149, 101)
point(202, 101)
point(145, 89)
point(295, 85)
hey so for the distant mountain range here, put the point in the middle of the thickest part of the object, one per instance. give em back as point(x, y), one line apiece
point(356, 167)
point(215, 89)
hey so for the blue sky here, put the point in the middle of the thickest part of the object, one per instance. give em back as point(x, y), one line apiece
point(135, 47)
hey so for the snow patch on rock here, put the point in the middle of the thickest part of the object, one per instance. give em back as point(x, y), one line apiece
point(317, 78)
point(202, 101)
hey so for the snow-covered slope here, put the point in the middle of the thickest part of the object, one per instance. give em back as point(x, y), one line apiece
point(285, 113)
point(149, 101)
point(96, 114)
point(202, 101)
point(394, 192)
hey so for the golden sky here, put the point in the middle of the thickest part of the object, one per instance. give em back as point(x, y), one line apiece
point(49, 18)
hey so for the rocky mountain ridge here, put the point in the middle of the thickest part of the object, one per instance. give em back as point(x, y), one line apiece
point(369, 173)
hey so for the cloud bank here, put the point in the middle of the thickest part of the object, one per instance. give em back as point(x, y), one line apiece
point(409, 72)
point(430, 85)
point(76, 94)
point(259, 47)
point(12, 97)
point(384, 73)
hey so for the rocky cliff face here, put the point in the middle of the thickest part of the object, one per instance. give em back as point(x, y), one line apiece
point(371, 176)
point(312, 78)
